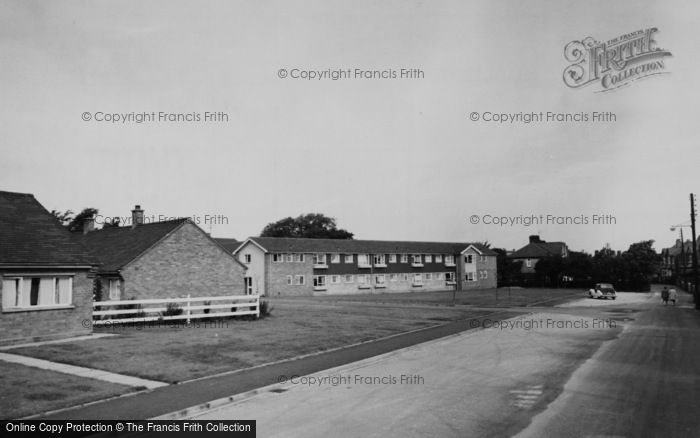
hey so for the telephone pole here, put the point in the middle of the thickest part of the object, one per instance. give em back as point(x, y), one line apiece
point(696, 275)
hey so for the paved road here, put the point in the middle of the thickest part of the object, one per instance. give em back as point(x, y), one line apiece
point(646, 383)
point(628, 367)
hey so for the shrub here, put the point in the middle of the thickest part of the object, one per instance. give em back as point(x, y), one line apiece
point(265, 309)
point(172, 309)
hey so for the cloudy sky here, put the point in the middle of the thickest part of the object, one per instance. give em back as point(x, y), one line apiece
point(389, 158)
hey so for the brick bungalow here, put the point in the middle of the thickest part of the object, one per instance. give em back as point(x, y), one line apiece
point(289, 266)
point(47, 277)
point(161, 260)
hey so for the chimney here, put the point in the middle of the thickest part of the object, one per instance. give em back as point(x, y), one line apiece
point(88, 224)
point(136, 216)
point(535, 239)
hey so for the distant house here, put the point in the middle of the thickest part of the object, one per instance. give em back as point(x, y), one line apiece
point(536, 250)
point(161, 260)
point(290, 266)
point(46, 275)
point(677, 261)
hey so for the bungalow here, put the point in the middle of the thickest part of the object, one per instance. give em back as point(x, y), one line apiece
point(537, 249)
point(160, 260)
point(46, 276)
point(290, 266)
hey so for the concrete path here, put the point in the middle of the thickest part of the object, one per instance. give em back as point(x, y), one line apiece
point(81, 371)
point(481, 383)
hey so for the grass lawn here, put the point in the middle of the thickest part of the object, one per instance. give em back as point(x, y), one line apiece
point(27, 390)
point(503, 297)
point(177, 354)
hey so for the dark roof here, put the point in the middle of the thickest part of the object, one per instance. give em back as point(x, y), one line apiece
point(116, 247)
point(30, 235)
point(229, 244)
point(284, 244)
point(536, 250)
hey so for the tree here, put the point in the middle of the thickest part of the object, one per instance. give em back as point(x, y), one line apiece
point(508, 271)
point(76, 224)
point(310, 225)
point(64, 217)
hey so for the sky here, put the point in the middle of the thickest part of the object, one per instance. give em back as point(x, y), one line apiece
point(389, 158)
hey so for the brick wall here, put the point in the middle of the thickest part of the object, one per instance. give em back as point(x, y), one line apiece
point(39, 325)
point(186, 262)
point(278, 272)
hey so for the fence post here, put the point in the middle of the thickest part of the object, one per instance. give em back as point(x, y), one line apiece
point(189, 312)
point(257, 307)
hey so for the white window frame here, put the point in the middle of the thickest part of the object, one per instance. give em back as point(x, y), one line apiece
point(247, 258)
point(319, 259)
point(417, 279)
point(393, 277)
point(17, 302)
point(299, 280)
point(450, 260)
point(319, 282)
point(114, 293)
point(418, 257)
point(299, 258)
point(335, 279)
point(277, 258)
point(392, 258)
point(349, 278)
point(528, 263)
point(438, 258)
point(428, 258)
point(450, 277)
point(335, 258)
point(379, 259)
point(289, 258)
point(366, 258)
point(470, 276)
point(469, 259)
point(348, 258)
point(290, 280)
point(404, 258)
point(380, 280)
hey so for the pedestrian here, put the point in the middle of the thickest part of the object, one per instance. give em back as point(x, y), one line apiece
point(664, 295)
point(672, 296)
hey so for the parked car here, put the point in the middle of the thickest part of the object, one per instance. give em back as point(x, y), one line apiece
point(602, 290)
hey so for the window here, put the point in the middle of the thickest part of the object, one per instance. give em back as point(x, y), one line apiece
point(417, 259)
point(428, 258)
point(484, 274)
point(290, 258)
point(379, 260)
point(528, 263)
point(348, 258)
point(428, 276)
point(349, 278)
point(299, 280)
point(114, 290)
point(319, 281)
point(404, 277)
point(417, 279)
point(299, 258)
point(450, 260)
point(277, 258)
point(363, 281)
point(469, 259)
point(450, 277)
point(438, 258)
point(438, 275)
point(393, 277)
point(392, 258)
point(335, 258)
point(380, 280)
point(470, 276)
point(319, 259)
point(289, 279)
point(335, 279)
point(482, 258)
point(247, 258)
point(30, 292)
point(404, 258)
point(363, 260)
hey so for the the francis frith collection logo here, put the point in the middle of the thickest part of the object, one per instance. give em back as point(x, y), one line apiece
point(615, 63)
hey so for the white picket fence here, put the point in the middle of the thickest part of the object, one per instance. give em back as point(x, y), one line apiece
point(192, 308)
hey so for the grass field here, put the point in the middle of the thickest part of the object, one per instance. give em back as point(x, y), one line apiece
point(28, 390)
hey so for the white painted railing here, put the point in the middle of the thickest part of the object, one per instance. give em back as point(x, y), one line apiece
point(192, 308)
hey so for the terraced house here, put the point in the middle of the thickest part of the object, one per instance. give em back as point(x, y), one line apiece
point(289, 266)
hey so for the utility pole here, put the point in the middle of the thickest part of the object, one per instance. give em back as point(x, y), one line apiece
point(696, 275)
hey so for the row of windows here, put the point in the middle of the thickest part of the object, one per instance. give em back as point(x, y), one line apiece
point(36, 292)
point(364, 259)
point(472, 276)
point(379, 279)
